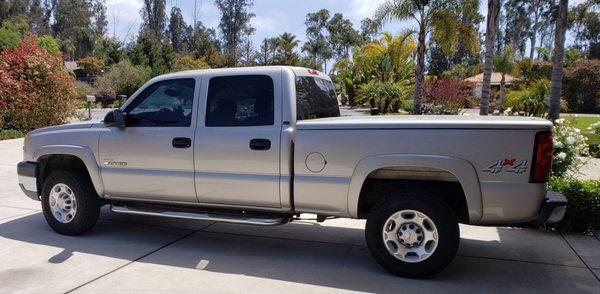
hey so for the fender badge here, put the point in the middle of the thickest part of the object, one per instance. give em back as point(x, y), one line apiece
point(507, 165)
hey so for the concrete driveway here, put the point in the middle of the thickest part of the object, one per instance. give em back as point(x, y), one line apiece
point(159, 255)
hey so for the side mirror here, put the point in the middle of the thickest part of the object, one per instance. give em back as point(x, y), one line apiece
point(115, 118)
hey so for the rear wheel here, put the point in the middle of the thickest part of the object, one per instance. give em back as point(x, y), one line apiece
point(70, 203)
point(412, 234)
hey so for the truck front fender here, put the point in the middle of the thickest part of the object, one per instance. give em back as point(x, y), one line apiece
point(460, 168)
point(84, 153)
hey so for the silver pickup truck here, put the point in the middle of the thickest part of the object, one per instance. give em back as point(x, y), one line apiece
point(262, 145)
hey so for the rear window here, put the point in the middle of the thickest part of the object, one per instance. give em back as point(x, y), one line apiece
point(315, 98)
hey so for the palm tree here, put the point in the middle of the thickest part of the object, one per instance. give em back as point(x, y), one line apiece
point(504, 63)
point(557, 61)
point(393, 56)
point(492, 26)
point(431, 16)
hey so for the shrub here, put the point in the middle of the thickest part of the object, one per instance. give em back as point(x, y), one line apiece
point(532, 101)
point(122, 78)
point(91, 66)
point(49, 43)
point(531, 71)
point(383, 96)
point(445, 95)
point(35, 90)
point(188, 62)
point(10, 134)
point(583, 210)
point(581, 86)
point(569, 144)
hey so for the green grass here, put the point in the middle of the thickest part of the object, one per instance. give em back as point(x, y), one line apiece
point(10, 134)
point(583, 123)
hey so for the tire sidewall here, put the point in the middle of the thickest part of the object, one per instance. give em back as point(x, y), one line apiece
point(439, 213)
point(87, 206)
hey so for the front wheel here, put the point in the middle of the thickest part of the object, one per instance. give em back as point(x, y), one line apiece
point(412, 234)
point(70, 203)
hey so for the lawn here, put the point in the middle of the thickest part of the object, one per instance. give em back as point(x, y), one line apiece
point(583, 123)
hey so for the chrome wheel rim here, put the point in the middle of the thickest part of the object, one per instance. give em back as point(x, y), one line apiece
point(63, 204)
point(410, 236)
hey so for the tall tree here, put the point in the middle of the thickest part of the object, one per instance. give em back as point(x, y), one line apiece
point(75, 25)
point(432, 16)
point(342, 35)
point(517, 25)
point(286, 45)
point(177, 30)
point(317, 46)
point(203, 43)
point(585, 21)
point(154, 17)
point(538, 11)
point(267, 51)
point(557, 61)
point(38, 22)
point(235, 20)
point(368, 30)
point(491, 27)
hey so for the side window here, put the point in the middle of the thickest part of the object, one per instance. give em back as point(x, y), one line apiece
point(240, 101)
point(165, 103)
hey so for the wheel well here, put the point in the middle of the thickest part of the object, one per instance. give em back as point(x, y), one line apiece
point(379, 183)
point(49, 163)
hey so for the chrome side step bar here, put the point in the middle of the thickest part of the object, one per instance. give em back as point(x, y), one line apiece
point(203, 216)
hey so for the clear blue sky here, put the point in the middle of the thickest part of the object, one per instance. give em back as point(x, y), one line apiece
point(273, 17)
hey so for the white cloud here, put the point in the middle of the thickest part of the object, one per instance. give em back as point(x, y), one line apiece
point(360, 9)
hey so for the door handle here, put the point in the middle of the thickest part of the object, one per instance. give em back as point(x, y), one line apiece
point(260, 144)
point(182, 142)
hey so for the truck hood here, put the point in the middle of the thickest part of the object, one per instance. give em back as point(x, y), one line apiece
point(69, 126)
point(425, 122)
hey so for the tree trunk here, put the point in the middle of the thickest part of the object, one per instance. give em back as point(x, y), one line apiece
point(557, 61)
point(492, 25)
point(532, 50)
point(419, 69)
point(502, 92)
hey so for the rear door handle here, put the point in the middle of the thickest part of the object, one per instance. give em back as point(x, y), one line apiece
point(182, 142)
point(260, 144)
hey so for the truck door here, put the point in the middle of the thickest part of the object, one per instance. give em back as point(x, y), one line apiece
point(236, 153)
point(152, 157)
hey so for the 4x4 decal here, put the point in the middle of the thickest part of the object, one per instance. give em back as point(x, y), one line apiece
point(507, 165)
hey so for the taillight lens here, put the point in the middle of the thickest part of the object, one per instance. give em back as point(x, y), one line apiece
point(542, 158)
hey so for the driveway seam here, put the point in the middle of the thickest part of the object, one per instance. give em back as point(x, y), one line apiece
point(134, 260)
point(16, 207)
point(18, 215)
point(363, 246)
point(586, 265)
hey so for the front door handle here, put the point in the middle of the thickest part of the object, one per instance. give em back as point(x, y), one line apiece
point(182, 142)
point(260, 144)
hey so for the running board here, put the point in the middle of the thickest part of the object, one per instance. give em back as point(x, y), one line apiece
point(203, 216)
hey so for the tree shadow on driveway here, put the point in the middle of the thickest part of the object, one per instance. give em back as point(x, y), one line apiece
point(194, 262)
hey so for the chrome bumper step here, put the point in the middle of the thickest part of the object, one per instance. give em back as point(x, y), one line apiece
point(203, 216)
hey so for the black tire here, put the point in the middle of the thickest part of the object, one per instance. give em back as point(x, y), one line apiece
point(88, 202)
point(438, 211)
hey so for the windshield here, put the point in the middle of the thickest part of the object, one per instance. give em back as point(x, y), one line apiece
point(315, 98)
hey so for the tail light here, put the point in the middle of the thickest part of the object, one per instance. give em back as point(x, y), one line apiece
point(542, 158)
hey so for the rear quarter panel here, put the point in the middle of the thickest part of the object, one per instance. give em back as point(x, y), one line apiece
point(506, 197)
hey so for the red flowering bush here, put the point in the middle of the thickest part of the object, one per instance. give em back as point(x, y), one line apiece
point(35, 90)
point(445, 95)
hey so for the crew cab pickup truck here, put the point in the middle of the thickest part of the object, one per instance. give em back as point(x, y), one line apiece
point(262, 145)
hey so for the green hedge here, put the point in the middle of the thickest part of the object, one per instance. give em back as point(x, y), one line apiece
point(10, 134)
point(583, 210)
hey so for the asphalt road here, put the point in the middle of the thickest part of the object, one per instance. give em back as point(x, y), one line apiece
point(145, 254)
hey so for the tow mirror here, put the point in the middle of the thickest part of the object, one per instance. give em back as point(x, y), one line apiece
point(115, 118)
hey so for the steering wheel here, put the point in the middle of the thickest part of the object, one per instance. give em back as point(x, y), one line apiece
point(165, 113)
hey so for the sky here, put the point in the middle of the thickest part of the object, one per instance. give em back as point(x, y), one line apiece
point(273, 17)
